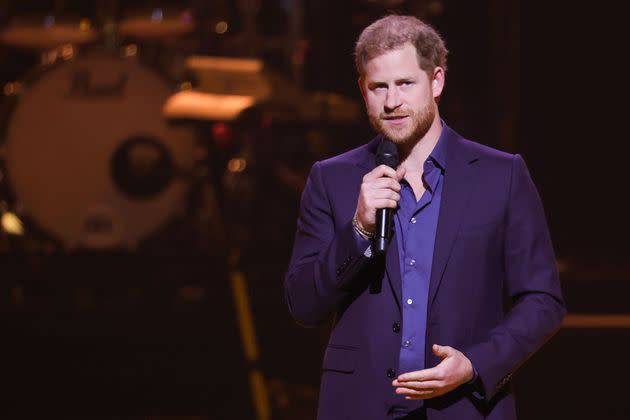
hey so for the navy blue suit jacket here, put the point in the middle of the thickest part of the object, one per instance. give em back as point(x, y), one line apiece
point(492, 246)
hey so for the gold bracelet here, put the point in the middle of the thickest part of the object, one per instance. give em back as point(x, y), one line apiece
point(364, 233)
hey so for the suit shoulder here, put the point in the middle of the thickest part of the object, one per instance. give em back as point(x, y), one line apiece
point(487, 152)
point(352, 157)
point(490, 157)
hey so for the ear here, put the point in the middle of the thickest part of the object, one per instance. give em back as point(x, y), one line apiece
point(437, 82)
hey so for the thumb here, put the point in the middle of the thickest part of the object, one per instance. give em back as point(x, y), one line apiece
point(400, 173)
point(442, 351)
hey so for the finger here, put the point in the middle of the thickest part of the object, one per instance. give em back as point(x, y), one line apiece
point(383, 193)
point(420, 375)
point(412, 393)
point(419, 385)
point(382, 203)
point(442, 351)
point(384, 183)
point(380, 171)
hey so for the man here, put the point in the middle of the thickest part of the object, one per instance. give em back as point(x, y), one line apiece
point(422, 331)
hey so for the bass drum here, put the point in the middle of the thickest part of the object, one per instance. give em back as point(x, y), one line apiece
point(89, 157)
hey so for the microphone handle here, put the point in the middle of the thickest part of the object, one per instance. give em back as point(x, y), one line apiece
point(383, 230)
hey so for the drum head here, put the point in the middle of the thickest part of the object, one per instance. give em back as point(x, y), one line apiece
point(89, 156)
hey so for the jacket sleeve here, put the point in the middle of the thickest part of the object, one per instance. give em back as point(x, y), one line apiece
point(531, 282)
point(326, 258)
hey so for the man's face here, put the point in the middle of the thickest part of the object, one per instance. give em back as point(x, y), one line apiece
point(399, 96)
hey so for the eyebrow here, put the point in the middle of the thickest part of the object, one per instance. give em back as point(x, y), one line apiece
point(376, 83)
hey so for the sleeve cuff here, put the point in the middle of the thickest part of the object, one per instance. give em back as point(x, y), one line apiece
point(364, 246)
point(476, 387)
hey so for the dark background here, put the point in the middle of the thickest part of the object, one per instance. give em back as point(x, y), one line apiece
point(154, 331)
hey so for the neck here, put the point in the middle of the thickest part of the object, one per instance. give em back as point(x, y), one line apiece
point(412, 156)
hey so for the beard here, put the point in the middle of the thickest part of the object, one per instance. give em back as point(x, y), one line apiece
point(409, 133)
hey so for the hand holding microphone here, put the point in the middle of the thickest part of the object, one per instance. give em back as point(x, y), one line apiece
point(379, 195)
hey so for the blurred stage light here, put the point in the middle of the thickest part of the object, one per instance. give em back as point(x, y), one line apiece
point(85, 25)
point(206, 106)
point(67, 52)
point(12, 224)
point(221, 27)
point(129, 50)
point(12, 88)
point(226, 64)
point(222, 134)
point(237, 165)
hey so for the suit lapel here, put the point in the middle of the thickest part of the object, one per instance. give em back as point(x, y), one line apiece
point(367, 161)
point(459, 180)
point(392, 269)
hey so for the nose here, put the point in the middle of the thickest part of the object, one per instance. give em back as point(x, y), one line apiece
point(392, 100)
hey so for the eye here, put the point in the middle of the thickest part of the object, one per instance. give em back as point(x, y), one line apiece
point(378, 87)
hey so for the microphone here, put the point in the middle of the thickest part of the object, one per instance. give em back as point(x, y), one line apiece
point(386, 154)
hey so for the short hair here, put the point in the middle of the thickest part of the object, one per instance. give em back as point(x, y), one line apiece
point(393, 32)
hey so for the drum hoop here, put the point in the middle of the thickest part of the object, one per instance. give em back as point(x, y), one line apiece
point(35, 74)
point(9, 104)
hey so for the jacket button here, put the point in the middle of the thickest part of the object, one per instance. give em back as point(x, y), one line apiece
point(391, 373)
point(396, 327)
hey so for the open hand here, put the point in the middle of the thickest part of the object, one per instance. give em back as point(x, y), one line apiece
point(454, 370)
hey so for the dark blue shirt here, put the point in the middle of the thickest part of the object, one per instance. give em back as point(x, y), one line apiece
point(416, 224)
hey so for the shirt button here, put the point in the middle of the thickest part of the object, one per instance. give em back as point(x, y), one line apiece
point(413, 220)
point(391, 373)
point(396, 327)
point(412, 262)
point(406, 343)
point(409, 301)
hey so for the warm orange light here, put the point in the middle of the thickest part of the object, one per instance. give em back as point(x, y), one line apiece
point(12, 88)
point(248, 65)
point(206, 106)
point(85, 25)
point(221, 27)
point(237, 165)
point(129, 50)
point(67, 52)
point(12, 224)
point(49, 57)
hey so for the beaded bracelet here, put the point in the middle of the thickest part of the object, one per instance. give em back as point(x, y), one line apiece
point(364, 233)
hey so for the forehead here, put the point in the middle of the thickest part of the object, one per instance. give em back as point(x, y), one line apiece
point(400, 62)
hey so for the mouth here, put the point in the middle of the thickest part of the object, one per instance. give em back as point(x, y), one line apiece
point(396, 119)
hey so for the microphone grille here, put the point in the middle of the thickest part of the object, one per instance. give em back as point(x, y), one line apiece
point(387, 154)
